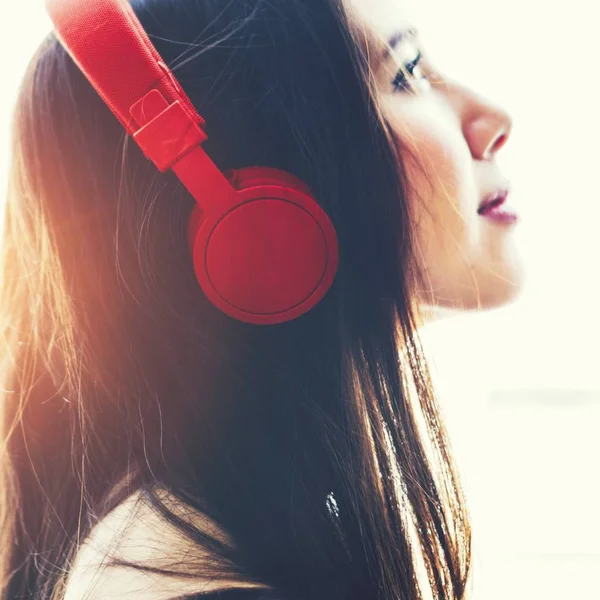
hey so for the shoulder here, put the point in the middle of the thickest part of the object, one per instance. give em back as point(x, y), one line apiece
point(135, 533)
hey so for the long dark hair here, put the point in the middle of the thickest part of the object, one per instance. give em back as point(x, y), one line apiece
point(317, 444)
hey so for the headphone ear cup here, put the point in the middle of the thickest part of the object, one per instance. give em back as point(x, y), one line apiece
point(271, 254)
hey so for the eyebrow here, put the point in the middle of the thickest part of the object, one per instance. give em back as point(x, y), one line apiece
point(397, 38)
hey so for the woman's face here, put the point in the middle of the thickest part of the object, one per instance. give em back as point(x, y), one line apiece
point(448, 138)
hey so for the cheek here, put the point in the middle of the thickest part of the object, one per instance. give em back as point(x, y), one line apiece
point(442, 191)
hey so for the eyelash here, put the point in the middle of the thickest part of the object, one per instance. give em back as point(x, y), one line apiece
point(400, 82)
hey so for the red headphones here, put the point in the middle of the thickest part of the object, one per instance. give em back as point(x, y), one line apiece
point(264, 251)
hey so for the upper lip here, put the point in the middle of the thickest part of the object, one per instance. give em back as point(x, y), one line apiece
point(495, 198)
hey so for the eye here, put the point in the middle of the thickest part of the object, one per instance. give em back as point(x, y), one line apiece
point(408, 75)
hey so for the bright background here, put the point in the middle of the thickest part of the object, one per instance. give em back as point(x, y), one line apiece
point(521, 386)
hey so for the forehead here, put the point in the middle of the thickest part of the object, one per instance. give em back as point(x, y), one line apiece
point(382, 18)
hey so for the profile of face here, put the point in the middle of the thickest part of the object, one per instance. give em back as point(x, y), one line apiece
point(448, 138)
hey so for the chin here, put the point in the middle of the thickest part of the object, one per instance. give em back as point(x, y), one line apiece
point(505, 287)
point(487, 290)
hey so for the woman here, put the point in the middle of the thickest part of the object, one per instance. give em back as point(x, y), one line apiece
point(156, 447)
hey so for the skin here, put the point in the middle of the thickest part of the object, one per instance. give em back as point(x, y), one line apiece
point(448, 137)
point(135, 532)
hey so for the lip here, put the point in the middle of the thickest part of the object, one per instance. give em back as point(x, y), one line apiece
point(493, 200)
point(493, 208)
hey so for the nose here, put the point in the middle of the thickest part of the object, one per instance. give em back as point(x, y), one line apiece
point(486, 127)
